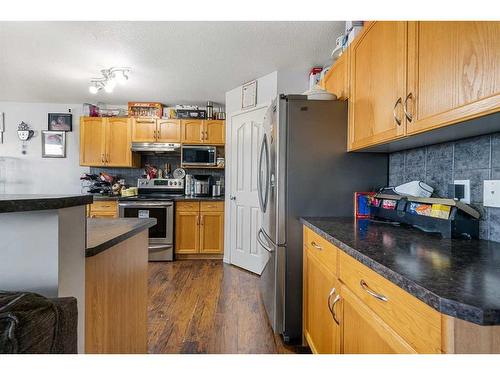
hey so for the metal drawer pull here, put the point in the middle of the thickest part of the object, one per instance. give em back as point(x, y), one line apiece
point(316, 246)
point(368, 290)
point(331, 306)
point(399, 101)
point(405, 107)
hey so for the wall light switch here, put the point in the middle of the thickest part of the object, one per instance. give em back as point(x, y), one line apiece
point(466, 183)
point(491, 193)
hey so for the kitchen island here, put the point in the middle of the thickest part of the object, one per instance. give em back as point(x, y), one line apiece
point(434, 294)
point(43, 246)
point(116, 269)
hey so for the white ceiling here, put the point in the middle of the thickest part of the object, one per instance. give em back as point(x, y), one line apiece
point(172, 62)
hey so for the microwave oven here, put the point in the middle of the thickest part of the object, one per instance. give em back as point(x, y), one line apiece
point(199, 156)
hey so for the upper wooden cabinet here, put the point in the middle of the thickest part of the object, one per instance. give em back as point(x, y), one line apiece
point(337, 79)
point(168, 131)
point(92, 141)
point(377, 84)
point(453, 72)
point(106, 142)
point(156, 130)
point(203, 132)
point(410, 77)
point(192, 131)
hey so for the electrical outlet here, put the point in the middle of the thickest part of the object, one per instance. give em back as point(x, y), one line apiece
point(491, 193)
point(466, 183)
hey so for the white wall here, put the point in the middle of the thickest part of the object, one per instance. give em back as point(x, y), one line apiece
point(288, 81)
point(30, 173)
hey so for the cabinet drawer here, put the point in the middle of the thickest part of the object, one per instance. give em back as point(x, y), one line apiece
point(187, 206)
point(108, 206)
point(321, 249)
point(212, 206)
point(413, 320)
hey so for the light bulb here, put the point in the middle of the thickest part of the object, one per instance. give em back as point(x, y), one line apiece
point(121, 77)
point(93, 89)
point(109, 86)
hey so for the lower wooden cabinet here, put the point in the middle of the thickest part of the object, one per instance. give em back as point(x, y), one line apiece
point(103, 210)
point(364, 332)
point(199, 228)
point(321, 296)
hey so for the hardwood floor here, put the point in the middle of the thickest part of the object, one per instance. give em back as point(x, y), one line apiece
point(206, 306)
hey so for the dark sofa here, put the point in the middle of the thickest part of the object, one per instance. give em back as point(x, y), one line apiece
point(33, 324)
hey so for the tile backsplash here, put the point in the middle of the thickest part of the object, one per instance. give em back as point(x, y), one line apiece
point(475, 159)
point(130, 175)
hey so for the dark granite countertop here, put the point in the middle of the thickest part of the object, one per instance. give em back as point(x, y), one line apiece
point(101, 197)
point(460, 278)
point(105, 233)
point(37, 202)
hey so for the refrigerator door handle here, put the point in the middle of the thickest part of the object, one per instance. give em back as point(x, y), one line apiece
point(261, 242)
point(264, 152)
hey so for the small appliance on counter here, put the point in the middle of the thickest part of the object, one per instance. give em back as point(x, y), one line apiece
point(202, 185)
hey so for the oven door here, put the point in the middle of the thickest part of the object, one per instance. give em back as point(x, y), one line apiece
point(161, 235)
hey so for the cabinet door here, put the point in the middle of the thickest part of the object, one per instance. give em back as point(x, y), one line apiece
point(453, 72)
point(191, 131)
point(187, 232)
point(92, 141)
point(169, 131)
point(118, 142)
point(212, 232)
point(144, 130)
point(337, 78)
point(365, 333)
point(377, 84)
point(214, 132)
point(320, 290)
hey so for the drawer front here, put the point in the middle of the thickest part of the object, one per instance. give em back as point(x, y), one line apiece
point(187, 206)
point(108, 206)
point(413, 320)
point(212, 206)
point(323, 250)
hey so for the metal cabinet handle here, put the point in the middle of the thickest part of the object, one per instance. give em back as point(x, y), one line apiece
point(197, 220)
point(331, 306)
point(202, 220)
point(107, 158)
point(405, 107)
point(102, 158)
point(398, 121)
point(371, 292)
point(316, 246)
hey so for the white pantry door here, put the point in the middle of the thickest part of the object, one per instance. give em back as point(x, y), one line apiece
point(246, 135)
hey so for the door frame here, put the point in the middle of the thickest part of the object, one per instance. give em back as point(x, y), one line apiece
point(227, 177)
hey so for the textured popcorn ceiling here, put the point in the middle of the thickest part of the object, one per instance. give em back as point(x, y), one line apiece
point(173, 62)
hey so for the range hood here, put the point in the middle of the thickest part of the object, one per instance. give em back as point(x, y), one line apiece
point(155, 147)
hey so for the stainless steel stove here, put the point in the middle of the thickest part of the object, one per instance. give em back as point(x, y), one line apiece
point(155, 199)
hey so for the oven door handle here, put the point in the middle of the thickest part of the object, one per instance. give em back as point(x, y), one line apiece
point(145, 204)
point(156, 248)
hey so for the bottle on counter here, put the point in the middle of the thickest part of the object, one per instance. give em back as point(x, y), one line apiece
point(188, 187)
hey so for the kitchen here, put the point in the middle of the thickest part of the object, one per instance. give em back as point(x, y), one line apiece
point(338, 205)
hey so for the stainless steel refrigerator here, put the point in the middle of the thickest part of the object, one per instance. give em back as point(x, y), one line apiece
point(304, 170)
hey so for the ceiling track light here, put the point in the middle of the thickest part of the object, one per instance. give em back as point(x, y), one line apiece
point(110, 77)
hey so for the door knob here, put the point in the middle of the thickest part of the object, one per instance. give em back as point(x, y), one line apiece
point(232, 197)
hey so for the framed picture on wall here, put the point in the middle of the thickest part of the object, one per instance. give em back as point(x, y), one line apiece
point(53, 144)
point(249, 95)
point(61, 122)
